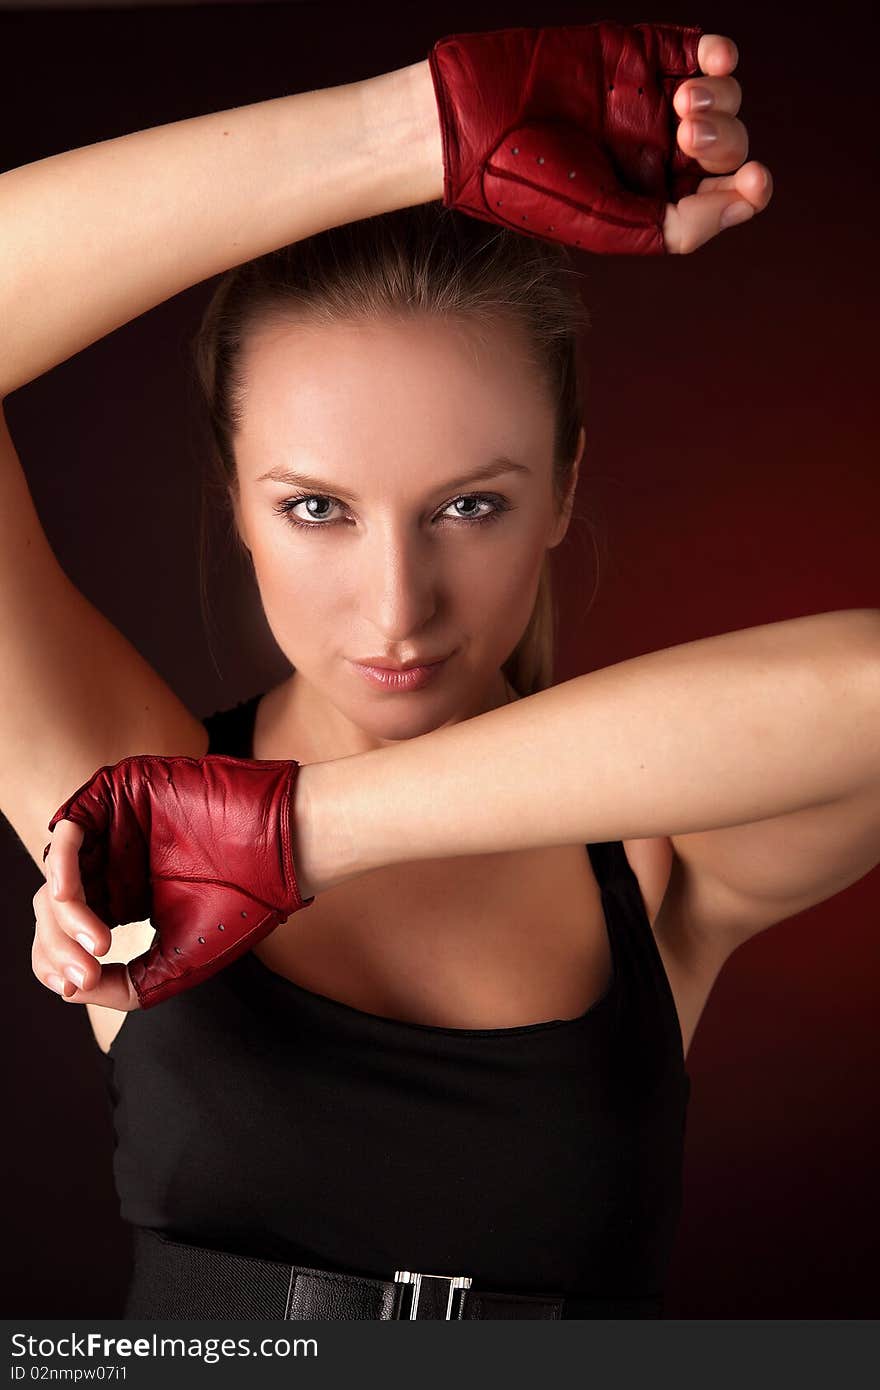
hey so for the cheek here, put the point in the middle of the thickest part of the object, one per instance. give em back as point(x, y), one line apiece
point(504, 569)
point(283, 563)
point(298, 593)
point(493, 598)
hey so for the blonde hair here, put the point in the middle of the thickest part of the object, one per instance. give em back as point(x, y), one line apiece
point(421, 260)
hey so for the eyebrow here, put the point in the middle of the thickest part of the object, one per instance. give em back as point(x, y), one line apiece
point(493, 469)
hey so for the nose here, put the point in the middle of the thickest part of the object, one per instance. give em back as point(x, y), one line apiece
point(398, 584)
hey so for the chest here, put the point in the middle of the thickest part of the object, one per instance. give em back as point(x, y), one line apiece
point(497, 941)
point(491, 941)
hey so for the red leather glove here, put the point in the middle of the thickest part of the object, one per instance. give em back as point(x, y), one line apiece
point(567, 133)
point(201, 846)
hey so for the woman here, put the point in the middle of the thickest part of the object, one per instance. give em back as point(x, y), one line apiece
point(447, 1096)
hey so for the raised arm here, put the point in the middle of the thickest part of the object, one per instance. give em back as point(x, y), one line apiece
point(90, 239)
point(107, 217)
point(134, 220)
point(757, 752)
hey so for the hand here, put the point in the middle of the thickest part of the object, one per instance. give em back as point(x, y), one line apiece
point(697, 218)
point(569, 134)
point(200, 846)
point(63, 919)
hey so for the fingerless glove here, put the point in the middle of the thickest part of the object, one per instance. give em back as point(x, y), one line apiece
point(200, 846)
point(567, 133)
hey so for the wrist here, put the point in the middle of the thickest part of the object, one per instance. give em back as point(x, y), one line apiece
point(326, 845)
point(401, 124)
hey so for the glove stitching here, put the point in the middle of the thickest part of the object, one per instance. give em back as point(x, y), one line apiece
point(563, 198)
point(290, 883)
point(216, 883)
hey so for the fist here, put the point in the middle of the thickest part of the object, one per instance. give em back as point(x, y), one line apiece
point(569, 133)
point(201, 846)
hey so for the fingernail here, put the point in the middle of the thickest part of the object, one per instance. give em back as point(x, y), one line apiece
point(86, 942)
point(75, 975)
point(700, 99)
point(735, 213)
point(56, 983)
point(702, 133)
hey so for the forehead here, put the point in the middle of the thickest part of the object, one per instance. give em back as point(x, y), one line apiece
point(422, 378)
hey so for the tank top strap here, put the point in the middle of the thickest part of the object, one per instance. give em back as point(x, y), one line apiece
point(231, 731)
point(628, 923)
point(636, 953)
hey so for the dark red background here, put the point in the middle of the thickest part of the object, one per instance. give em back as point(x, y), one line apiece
point(731, 478)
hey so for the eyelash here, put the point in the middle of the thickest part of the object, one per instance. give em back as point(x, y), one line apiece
point(285, 508)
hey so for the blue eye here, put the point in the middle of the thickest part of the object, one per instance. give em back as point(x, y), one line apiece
point(285, 508)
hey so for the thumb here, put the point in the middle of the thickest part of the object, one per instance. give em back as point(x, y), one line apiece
point(695, 220)
point(716, 204)
point(114, 990)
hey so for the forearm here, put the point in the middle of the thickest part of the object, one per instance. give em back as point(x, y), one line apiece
point(95, 236)
point(722, 731)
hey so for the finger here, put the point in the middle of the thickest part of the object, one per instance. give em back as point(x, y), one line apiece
point(727, 137)
point(77, 920)
point(717, 54)
point(60, 929)
point(110, 987)
point(113, 991)
point(67, 838)
point(70, 961)
point(65, 955)
point(697, 218)
point(67, 893)
point(752, 181)
point(708, 95)
point(45, 970)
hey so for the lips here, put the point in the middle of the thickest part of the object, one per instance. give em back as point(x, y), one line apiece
point(394, 678)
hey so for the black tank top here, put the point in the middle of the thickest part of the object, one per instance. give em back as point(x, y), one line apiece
point(253, 1115)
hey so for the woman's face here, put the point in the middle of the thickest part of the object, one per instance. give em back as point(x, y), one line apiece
point(403, 552)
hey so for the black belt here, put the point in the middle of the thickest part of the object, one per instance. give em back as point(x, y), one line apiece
point(176, 1280)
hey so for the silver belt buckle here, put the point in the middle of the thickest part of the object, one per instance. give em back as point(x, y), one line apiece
point(455, 1281)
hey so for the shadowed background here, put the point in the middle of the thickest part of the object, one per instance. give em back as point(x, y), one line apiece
point(730, 479)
